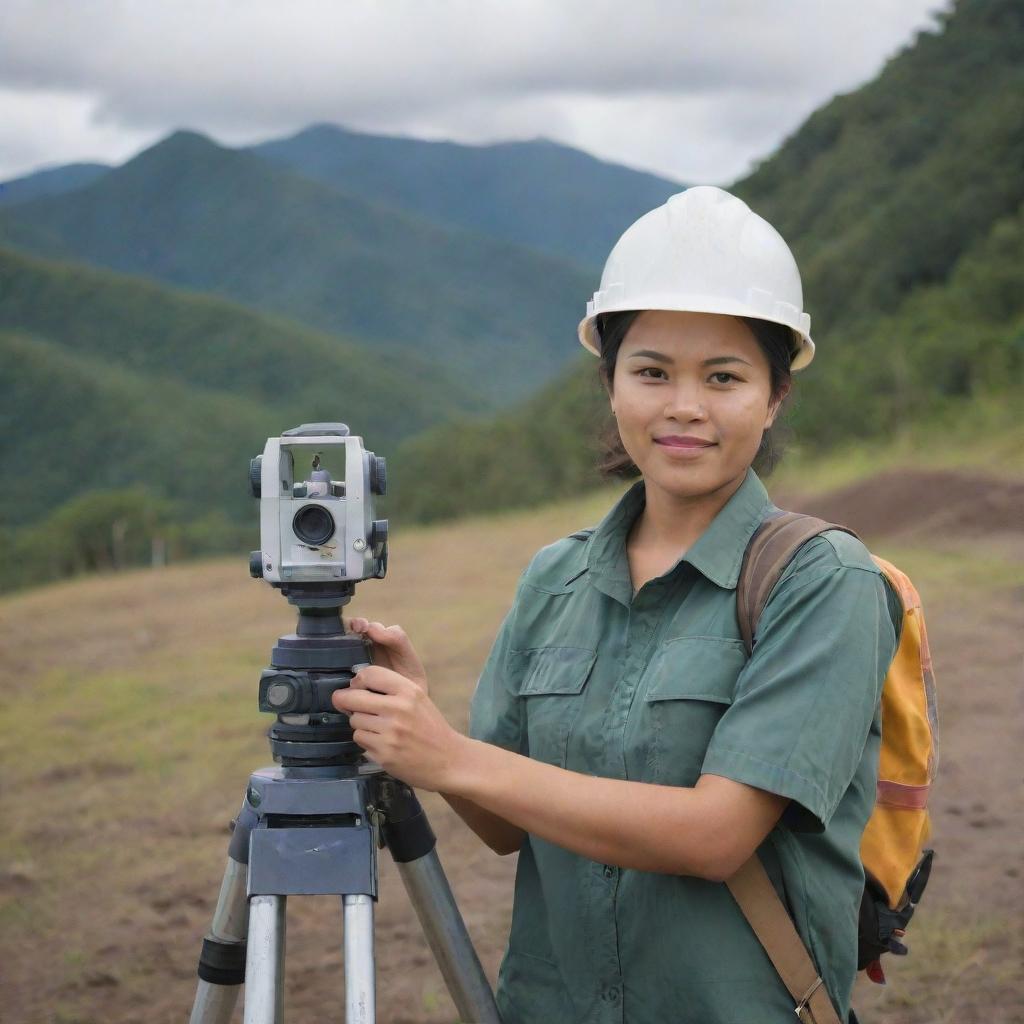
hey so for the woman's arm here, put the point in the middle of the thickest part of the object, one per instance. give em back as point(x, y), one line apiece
point(707, 831)
point(500, 835)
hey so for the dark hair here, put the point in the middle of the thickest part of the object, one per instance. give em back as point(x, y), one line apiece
point(777, 343)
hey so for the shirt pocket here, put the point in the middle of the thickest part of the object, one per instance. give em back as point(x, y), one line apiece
point(552, 681)
point(690, 684)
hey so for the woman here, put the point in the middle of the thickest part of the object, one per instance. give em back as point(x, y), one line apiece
point(621, 740)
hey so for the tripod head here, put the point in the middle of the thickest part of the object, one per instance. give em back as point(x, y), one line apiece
point(318, 538)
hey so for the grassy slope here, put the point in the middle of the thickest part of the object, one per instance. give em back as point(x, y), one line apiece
point(985, 436)
point(144, 727)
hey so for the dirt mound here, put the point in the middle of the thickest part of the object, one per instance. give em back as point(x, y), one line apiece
point(925, 501)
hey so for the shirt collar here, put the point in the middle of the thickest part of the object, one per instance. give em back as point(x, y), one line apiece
point(717, 553)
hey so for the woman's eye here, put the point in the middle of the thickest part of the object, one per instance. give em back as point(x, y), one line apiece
point(647, 371)
point(723, 378)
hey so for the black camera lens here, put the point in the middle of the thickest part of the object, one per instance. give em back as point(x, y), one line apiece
point(313, 525)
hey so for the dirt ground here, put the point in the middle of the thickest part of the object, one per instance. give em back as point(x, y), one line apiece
point(129, 727)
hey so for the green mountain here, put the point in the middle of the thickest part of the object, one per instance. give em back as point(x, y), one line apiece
point(903, 204)
point(538, 193)
point(193, 214)
point(882, 190)
point(111, 381)
point(891, 196)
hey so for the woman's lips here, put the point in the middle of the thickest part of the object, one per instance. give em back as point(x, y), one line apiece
point(674, 441)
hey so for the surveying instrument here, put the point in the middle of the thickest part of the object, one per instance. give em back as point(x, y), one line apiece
point(312, 823)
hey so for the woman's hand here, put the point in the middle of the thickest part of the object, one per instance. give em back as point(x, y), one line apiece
point(392, 649)
point(400, 728)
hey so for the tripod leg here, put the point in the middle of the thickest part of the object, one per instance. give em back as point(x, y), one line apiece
point(222, 963)
point(446, 934)
point(410, 839)
point(360, 990)
point(264, 962)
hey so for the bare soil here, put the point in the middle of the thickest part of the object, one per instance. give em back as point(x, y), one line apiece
point(921, 502)
point(128, 729)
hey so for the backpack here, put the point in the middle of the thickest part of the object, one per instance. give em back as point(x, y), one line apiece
point(896, 865)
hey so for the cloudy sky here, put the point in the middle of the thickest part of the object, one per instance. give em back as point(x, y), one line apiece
point(695, 90)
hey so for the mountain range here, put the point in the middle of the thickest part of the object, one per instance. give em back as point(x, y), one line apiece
point(196, 215)
point(429, 292)
point(202, 292)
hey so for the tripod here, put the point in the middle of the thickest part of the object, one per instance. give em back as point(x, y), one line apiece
point(312, 826)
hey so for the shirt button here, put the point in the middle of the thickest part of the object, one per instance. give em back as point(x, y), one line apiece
point(609, 871)
point(612, 995)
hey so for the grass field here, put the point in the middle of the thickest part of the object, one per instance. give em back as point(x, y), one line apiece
point(129, 727)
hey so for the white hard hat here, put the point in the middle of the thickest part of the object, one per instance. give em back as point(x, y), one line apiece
point(704, 251)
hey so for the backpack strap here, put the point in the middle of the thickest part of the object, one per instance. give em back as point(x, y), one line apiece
point(770, 921)
point(770, 550)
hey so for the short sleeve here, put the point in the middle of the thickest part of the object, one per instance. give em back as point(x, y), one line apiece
point(806, 699)
point(495, 714)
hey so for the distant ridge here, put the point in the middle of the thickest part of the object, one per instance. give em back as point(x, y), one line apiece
point(50, 181)
point(537, 193)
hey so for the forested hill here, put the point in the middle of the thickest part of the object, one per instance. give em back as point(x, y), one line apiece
point(133, 404)
point(194, 214)
point(111, 382)
point(881, 191)
point(903, 203)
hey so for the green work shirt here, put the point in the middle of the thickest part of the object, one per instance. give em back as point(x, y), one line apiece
point(656, 686)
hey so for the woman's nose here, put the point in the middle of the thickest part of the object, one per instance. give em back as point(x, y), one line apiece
point(685, 402)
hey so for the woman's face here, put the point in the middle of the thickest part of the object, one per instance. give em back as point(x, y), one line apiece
point(691, 395)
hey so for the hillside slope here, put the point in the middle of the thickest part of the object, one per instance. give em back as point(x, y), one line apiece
point(214, 344)
point(882, 190)
point(119, 427)
point(904, 202)
point(145, 728)
point(111, 380)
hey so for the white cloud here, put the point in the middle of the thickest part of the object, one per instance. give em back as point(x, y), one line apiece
point(694, 90)
point(54, 126)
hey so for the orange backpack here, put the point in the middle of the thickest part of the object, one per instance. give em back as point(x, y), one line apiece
point(896, 865)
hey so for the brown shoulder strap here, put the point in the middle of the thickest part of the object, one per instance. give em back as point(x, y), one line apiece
point(753, 891)
point(770, 550)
